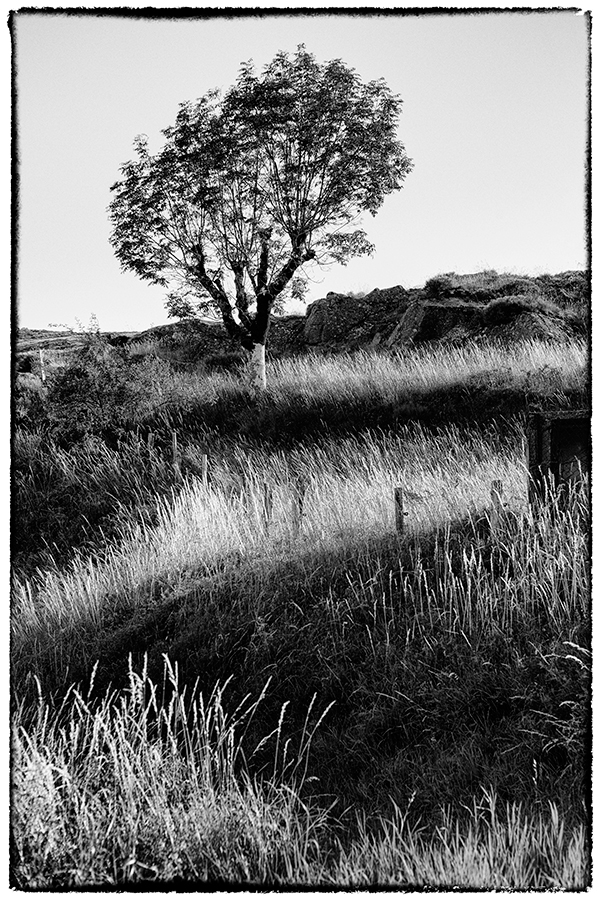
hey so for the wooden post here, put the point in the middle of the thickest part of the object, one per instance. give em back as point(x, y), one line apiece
point(42, 367)
point(399, 510)
point(300, 493)
point(176, 464)
point(267, 503)
point(527, 455)
point(496, 493)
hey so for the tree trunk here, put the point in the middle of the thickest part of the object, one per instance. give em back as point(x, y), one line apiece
point(258, 375)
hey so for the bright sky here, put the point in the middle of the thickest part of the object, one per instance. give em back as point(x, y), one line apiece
point(495, 118)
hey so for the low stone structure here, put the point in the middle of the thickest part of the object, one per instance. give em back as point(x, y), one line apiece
point(559, 447)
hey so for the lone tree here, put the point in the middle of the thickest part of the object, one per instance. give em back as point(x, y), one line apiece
point(252, 186)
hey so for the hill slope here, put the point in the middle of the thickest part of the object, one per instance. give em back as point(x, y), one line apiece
point(448, 307)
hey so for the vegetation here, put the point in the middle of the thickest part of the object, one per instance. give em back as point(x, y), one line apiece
point(242, 674)
point(251, 187)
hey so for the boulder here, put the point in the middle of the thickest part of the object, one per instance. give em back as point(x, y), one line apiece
point(317, 315)
point(438, 319)
point(286, 335)
point(353, 319)
point(408, 327)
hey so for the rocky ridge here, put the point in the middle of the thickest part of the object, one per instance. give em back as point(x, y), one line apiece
point(447, 308)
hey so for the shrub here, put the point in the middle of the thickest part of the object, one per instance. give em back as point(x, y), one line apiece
point(225, 361)
point(100, 393)
point(29, 402)
point(440, 286)
point(89, 396)
point(480, 287)
point(24, 363)
point(503, 310)
point(569, 290)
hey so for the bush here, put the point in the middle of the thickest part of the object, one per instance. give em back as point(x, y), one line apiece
point(481, 287)
point(24, 363)
point(101, 393)
point(440, 286)
point(89, 396)
point(503, 310)
point(29, 402)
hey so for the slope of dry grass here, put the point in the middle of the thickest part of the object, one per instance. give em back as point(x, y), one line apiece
point(284, 692)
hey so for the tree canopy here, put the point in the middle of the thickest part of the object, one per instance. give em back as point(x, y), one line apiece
point(253, 185)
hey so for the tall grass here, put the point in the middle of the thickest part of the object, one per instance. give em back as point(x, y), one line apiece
point(147, 788)
point(408, 675)
point(426, 369)
point(494, 850)
point(334, 394)
point(220, 530)
point(144, 786)
point(425, 645)
point(69, 495)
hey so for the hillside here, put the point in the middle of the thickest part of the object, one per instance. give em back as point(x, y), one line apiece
point(448, 308)
point(317, 637)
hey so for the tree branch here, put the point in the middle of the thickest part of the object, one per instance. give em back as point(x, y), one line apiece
point(266, 297)
point(215, 288)
point(237, 267)
point(263, 265)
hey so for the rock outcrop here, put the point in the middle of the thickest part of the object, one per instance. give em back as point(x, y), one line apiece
point(354, 320)
point(451, 308)
point(447, 308)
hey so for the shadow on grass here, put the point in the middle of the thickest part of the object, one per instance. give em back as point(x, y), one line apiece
point(428, 705)
point(480, 399)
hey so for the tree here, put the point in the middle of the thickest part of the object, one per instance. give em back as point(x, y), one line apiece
point(252, 187)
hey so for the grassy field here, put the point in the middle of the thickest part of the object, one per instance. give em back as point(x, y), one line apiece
point(234, 670)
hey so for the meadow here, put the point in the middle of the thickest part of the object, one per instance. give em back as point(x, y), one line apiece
point(229, 665)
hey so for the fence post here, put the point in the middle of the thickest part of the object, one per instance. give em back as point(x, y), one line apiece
point(42, 366)
point(399, 510)
point(176, 464)
point(496, 492)
point(267, 503)
point(300, 493)
point(151, 453)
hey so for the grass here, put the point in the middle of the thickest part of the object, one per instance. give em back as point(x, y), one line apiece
point(151, 786)
point(142, 788)
point(254, 680)
point(71, 494)
point(472, 382)
point(348, 500)
point(172, 767)
point(495, 850)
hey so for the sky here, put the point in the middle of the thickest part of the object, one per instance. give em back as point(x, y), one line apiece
point(494, 118)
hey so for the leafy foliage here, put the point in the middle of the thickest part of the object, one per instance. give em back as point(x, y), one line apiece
point(96, 393)
point(29, 402)
point(251, 186)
